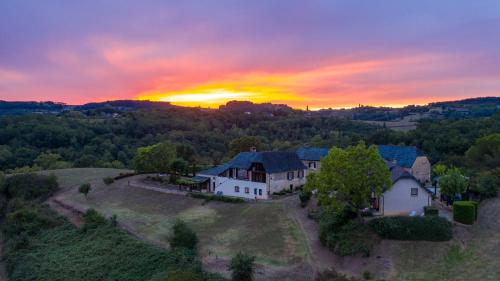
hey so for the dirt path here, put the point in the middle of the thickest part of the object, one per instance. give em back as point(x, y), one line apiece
point(321, 258)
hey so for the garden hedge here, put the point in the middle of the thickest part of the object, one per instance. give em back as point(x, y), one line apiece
point(431, 228)
point(464, 212)
point(210, 197)
point(431, 211)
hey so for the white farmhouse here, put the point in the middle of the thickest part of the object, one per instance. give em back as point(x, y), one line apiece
point(256, 175)
point(404, 197)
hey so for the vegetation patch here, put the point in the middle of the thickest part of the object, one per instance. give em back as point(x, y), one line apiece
point(429, 228)
point(431, 211)
point(213, 197)
point(464, 212)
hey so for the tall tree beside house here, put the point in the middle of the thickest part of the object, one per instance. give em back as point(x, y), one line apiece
point(155, 158)
point(453, 182)
point(349, 176)
point(485, 153)
point(244, 144)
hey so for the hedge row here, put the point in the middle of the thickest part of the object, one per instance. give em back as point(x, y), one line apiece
point(431, 228)
point(212, 197)
point(465, 211)
point(431, 211)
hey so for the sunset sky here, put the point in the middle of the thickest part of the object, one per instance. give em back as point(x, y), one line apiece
point(316, 53)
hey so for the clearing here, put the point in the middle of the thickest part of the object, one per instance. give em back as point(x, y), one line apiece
point(279, 233)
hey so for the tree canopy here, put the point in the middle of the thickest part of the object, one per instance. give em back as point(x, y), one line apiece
point(155, 158)
point(485, 153)
point(453, 182)
point(349, 176)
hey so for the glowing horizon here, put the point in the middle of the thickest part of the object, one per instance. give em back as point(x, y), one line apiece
point(330, 54)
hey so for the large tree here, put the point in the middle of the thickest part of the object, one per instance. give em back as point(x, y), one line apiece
point(349, 176)
point(453, 182)
point(485, 153)
point(155, 158)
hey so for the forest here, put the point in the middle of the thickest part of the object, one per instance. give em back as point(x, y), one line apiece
point(102, 138)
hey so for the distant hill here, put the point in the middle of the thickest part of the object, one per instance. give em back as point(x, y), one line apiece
point(473, 107)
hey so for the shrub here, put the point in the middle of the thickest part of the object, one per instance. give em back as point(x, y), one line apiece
point(367, 275)
point(430, 228)
point(431, 211)
point(476, 209)
point(183, 236)
point(212, 197)
point(92, 219)
point(85, 189)
point(345, 236)
point(27, 218)
point(30, 186)
point(108, 180)
point(304, 197)
point(242, 267)
point(314, 213)
point(464, 212)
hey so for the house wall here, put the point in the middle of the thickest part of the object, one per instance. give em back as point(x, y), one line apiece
point(398, 200)
point(279, 181)
point(226, 187)
point(421, 169)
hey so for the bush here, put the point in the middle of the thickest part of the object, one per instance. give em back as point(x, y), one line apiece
point(212, 197)
point(367, 275)
point(464, 212)
point(345, 236)
point(92, 219)
point(108, 180)
point(304, 197)
point(30, 186)
point(27, 218)
point(431, 211)
point(183, 237)
point(430, 228)
point(242, 267)
point(85, 189)
point(315, 213)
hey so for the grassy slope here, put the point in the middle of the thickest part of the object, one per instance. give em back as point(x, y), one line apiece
point(77, 176)
point(472, 255)
point(224, 229)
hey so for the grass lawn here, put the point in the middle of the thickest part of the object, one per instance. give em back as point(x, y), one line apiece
point(261, 229)
point(77, 176)
point(471, 255)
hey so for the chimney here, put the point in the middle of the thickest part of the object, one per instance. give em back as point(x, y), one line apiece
point(253, 149)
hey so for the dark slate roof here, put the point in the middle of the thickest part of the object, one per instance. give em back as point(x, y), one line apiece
point(312, 153)
point(273, 162)
point(199, 179)
point(398, 173)
point(405, 156)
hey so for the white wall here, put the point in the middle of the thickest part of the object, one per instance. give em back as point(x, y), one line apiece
point(226, 186)
point(398, 199)
point(306, 163)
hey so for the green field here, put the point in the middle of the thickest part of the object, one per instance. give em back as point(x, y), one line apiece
point(261, 229)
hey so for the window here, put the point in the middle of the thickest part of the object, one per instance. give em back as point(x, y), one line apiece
point(247, 190)
point(255, 191)
point(290, 176)
point(236, 189)
point(414, 191)
point(260, 191)
point(300, 174)
point(312, 165)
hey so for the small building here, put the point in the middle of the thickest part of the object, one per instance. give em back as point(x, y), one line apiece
point(311, 156)
point(410, 158)
point(404, 197)
point(256, 175)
